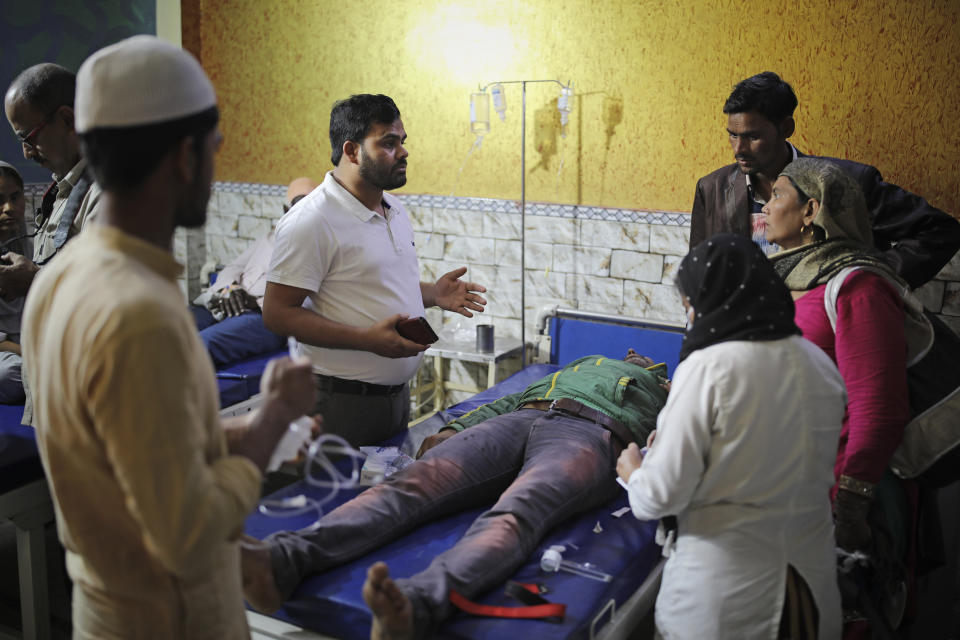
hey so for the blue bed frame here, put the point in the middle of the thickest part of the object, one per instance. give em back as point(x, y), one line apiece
point(331, 603)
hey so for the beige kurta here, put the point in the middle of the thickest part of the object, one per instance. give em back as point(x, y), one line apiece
point(149, 505)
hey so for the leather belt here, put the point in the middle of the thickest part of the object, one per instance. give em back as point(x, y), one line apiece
point(580, 410)
point(356, 387)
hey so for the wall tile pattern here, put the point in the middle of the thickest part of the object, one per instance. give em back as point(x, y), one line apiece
point(599, 259)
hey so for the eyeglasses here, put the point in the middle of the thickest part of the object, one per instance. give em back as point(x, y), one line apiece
point(28, 139)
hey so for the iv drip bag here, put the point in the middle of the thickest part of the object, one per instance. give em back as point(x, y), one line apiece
point(479, 113)
point(499, 101)
point(565, 106)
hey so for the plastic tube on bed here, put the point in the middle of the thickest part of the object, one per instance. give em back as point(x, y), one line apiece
point(319, 472)
point(553, 561)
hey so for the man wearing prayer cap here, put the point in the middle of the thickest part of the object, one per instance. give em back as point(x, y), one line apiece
point(39, 105)
point(151, 487)
point(228, 314)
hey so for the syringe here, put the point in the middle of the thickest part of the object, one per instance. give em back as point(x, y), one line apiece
point(552, 561)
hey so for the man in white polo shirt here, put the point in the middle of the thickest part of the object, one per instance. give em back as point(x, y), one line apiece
point(344, 272)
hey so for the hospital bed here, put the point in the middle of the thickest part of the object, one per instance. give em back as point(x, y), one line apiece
point(25, 501)
point(608, 538)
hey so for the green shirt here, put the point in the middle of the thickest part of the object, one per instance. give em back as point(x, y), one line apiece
point(624, 391)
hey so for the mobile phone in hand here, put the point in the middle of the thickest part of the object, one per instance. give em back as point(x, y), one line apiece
point(417, 330)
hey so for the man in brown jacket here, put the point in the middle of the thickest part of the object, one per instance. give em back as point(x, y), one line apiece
point(916, 238)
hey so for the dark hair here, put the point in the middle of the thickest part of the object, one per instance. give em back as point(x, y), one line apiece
point(764, 93)
point(122, 157)
point(12, 173)
point(45, 87)
point(350, 119)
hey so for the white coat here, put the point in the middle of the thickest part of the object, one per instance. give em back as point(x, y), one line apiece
point(744, 457)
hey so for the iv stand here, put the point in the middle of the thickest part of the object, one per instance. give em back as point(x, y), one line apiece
point(523, 207)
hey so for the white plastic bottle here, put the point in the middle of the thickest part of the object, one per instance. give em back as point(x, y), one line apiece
point(297, 434)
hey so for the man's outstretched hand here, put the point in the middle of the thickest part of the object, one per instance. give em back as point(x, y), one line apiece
point(453, 294)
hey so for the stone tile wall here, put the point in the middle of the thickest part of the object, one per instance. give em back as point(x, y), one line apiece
point(596, 259)
point(615, 261)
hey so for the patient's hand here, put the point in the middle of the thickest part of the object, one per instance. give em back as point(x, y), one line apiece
point(432, 441)
point(629, 461)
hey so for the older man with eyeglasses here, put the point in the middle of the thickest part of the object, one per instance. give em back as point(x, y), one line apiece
point(39, 106)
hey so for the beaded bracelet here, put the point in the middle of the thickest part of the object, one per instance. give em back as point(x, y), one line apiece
point(858, 487)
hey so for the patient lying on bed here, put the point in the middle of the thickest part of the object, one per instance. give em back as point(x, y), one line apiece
point(544, 455)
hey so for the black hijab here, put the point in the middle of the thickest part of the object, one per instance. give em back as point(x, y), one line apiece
point(735, 294)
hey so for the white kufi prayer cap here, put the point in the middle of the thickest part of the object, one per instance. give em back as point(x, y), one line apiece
point(140, 81)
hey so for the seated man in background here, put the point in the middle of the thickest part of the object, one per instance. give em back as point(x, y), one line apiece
point(12, 232)
point(228, 314)
point(543, 454)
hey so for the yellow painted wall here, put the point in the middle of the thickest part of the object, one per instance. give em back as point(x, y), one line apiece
point(877, 82)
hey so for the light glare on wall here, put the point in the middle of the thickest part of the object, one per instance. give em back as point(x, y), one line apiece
point(460, 43)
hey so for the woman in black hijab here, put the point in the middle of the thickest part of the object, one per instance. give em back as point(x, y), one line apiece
point(735, 292)
point(744, 458)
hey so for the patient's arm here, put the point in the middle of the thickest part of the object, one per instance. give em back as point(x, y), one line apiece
point(431, 441)
point(505, 404)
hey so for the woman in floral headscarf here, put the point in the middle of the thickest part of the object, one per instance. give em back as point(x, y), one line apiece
point(818, 216)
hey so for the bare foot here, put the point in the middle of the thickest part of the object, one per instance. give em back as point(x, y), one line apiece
point(392, 611)
point(259, 587)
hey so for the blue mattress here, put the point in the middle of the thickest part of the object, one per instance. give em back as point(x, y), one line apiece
point(332, 603)
point(240, 380)
point(19, 458)
point(20, 461)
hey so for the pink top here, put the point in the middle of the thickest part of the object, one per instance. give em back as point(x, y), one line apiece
point(870, 351)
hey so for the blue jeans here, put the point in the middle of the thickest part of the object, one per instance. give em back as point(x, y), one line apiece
point(11, 379)
point(540, 468)
point(235, 339)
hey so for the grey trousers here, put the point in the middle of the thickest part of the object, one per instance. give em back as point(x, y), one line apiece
point(363, 419)
point(540, 468)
